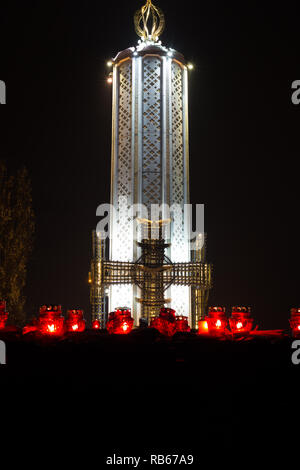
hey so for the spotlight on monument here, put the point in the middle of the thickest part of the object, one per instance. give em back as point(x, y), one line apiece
point(109, 78)
point(216, 321)
point(190, 66)
point(109, 63)
point(241, 321)
point(75, 322)
point(120, 321)
point(51, 320)
point(3, 314)
point(295, 322)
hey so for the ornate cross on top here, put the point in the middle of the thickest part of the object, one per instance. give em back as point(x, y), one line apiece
point(149, 17)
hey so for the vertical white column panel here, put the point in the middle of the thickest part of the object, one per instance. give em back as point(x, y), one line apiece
point(179, 185)
point(122, 232)
point(152, 168)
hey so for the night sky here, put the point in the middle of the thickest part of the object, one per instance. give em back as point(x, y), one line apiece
point(244, 138)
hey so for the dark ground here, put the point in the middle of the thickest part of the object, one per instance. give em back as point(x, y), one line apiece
point(92, 395)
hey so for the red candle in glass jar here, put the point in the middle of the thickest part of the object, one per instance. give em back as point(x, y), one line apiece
point(202, 327)
point(165, 323)
point(241, 321)
point(96, 325)
point(182, 324)
point(295, 322)
point(3, 314)
point(120, 321)
point(216, 320)
point(75, 322)
point(51, 320)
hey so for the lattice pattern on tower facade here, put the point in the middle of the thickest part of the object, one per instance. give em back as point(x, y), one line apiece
point(151, 171)
point(122, 237)
point(179, 245)
point(177, 183)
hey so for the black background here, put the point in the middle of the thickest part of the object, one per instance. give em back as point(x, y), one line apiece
point(244, 142)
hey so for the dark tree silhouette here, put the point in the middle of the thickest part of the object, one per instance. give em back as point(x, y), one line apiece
point(16, 238)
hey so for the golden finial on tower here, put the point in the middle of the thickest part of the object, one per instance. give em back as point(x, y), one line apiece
point(152, 14)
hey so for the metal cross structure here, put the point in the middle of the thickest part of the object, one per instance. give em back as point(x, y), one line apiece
point(153, 272)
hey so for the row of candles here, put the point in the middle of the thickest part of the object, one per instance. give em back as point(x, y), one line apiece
point(52, 322)
point(240, 322)
point(216, 323)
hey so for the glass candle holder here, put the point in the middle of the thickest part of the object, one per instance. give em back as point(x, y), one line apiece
point(202, 327)
point(165, 323)
point(96, 325)
point(216, 321)
point(182, 323)
point(241, 321)
point(3, 314)
point(51, 320)
point(295, 322)
point(120, 321)
point(75, 322)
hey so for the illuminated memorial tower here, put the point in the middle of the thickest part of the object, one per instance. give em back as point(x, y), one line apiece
point(150, 165)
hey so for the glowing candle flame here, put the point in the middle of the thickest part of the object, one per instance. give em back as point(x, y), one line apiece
point(202, 327)
point(218, 323)
point(239, 325)
point(51, 328)
point(75, 327)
